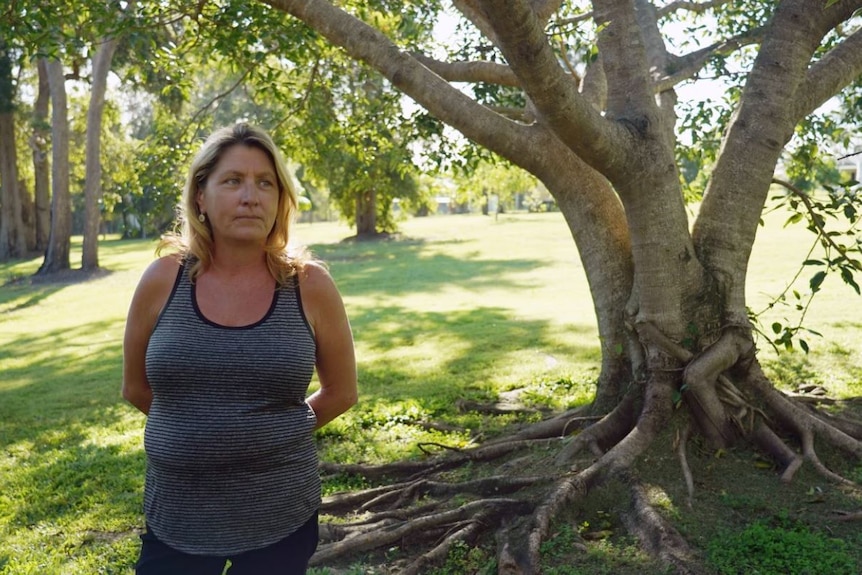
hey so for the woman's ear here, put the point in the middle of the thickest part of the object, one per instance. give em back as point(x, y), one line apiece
point(199, 200)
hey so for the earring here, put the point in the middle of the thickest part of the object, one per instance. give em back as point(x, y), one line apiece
point(202, 217)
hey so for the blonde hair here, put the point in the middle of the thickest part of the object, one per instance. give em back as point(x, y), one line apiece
point(194, 237)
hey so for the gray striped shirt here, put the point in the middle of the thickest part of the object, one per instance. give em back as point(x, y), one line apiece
point(231, 462)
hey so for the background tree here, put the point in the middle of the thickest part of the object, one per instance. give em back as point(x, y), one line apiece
point(598, 126)
point(57, 254)
point(38, 140)
point(13, 241)
point(364, 164)
point(101, 66)
point(512, 186)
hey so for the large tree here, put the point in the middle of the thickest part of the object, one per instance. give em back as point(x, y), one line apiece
point(57, 254)
point(603, 138)
point(12, 233)
point(39, 140)
point(104, 53)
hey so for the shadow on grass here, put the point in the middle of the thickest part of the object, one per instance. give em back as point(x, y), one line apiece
point(480, 350)
point(65, 475)
point(71, 470)
point(408, 266)
point(20, 295)
point(58, 376)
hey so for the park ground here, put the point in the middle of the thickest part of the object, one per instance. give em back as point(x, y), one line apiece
point(452, 312)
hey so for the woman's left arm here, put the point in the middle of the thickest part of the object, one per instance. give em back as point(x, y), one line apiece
point(336, 359)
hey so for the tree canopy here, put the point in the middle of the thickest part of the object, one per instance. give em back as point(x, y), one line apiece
point(623, 110)
point(587, 97)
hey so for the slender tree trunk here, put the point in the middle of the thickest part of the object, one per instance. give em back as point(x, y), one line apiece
point(28, 217)
point(366, 213)
point(59, 241)
point(13, 242)
point(41, 164)
point(93, 189)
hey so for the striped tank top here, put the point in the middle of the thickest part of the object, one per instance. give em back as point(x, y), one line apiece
point(231, 461)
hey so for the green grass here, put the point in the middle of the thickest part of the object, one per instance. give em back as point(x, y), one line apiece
point(779, 547)
point(461, 307)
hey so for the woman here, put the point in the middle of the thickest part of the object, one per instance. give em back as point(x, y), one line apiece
point(221, 342)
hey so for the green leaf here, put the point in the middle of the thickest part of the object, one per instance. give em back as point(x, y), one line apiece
point(847, 276)
point(795, 218)
point(817, 280)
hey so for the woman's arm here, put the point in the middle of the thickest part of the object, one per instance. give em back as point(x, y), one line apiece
point(336, 360)
point(150, 297)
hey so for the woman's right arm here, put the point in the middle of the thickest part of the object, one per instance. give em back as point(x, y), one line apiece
point(150, 297)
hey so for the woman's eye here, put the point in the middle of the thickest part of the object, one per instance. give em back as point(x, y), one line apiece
point(266, 183)
point(232, 181)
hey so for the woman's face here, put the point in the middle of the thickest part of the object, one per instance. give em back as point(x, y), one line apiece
point(240, 196)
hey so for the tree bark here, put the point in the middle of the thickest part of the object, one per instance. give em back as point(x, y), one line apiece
point(93, 186)
point(28, 216)
point(41, 162)
point(366, 213)
point(13, 241)
point(60, 237)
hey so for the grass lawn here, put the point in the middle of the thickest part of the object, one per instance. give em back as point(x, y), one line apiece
point(459, 307)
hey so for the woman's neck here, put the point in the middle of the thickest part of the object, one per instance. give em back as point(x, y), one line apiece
point(236, 260)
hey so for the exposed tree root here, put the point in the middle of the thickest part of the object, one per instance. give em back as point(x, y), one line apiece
point(464, 533)
point(717, 403)
point(400, 494)
point(606, 432)
point(419, 527)
point(848, 426)
point(556, 426)
point(773, 446)
point(728, 397)
point(681, 451)
point(657, 536)
point(416, 469)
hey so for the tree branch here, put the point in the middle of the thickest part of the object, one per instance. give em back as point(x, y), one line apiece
point(411, 77)
point(624, 55)
point(689, 65)
point(550, 88)
point(838, 68)
point(695, 7)
point(473, 72)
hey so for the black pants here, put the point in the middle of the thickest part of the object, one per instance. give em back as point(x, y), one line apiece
point(286, 557)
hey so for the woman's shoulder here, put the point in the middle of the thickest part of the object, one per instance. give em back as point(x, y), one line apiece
point(317, 286)
point(161, 274)
point(312, 273)
point(165, 266)
point(153, 291)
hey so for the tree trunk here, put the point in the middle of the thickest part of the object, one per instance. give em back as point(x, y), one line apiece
point(28, 216)
point(93, 186)
point(41, 164)
point(669, 297)
point(60, 237)
point(366, 214)
point(13, 241)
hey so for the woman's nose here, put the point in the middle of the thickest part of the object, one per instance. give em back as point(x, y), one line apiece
point(249, 193)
